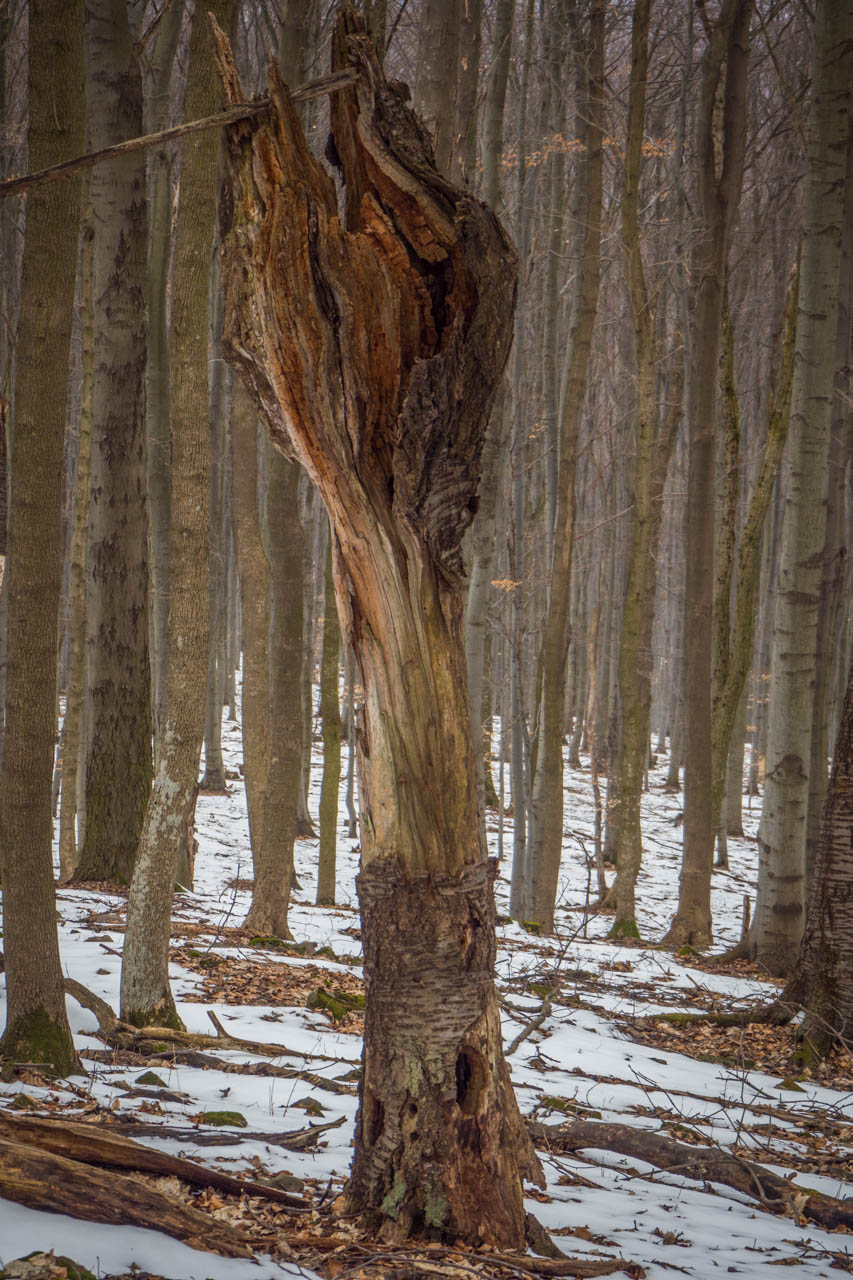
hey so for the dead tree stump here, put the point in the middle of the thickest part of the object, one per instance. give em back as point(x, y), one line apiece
point(373, 339)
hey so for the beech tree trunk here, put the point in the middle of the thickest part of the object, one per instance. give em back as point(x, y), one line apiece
point(830, 667)
point(734, 629)
point(373, 339)
point(118, 764)
point(36, 1023)
point(654, 440)
point(253, 572)
point(822, 983)
point(213, 779)
point(160, 56)
point(273, 856)
point(463, 160)
point(436, 87)
point(721, 120)
point(331, 713)
point(779, 908)
point(493, 107)
point(146, 996)
point(73, 745)
point(547, 834)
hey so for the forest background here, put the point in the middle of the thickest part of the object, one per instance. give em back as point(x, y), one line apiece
point(658, 556)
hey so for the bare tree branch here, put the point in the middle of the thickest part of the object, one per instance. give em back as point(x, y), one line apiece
point(313, 89)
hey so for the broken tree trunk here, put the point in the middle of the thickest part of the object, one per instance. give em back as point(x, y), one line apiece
point(373, 339)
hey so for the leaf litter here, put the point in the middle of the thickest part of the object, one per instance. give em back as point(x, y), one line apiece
point(602, 1051)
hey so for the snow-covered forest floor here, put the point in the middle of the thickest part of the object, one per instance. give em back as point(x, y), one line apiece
point(602, 1053)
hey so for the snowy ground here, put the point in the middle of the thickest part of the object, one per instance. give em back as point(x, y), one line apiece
point(582, 1060)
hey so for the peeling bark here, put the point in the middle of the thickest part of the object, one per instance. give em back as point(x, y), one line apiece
point(373, 340)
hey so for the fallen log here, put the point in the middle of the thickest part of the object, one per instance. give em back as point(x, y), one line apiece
point(701, 1164)
point(580, 1267)
point(40, 1180)
point(90, 1143)
point(294, 1140)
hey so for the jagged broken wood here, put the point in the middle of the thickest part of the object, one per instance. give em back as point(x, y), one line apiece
point(372, 332)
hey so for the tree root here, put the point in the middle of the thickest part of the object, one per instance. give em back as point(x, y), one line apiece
point(455, 1263)
point(702, 1164)
point(122, 1035)
point(188, 1046)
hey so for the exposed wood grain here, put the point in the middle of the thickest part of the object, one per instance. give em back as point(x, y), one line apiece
point(41, 1180)
point(372, 332)
point(93, 1144)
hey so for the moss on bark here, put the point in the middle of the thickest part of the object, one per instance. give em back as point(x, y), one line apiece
point(36, 1038)
point(164, 1014)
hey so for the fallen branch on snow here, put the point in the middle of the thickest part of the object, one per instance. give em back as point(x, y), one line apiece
point(701, 1164)
point(294, 1140)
